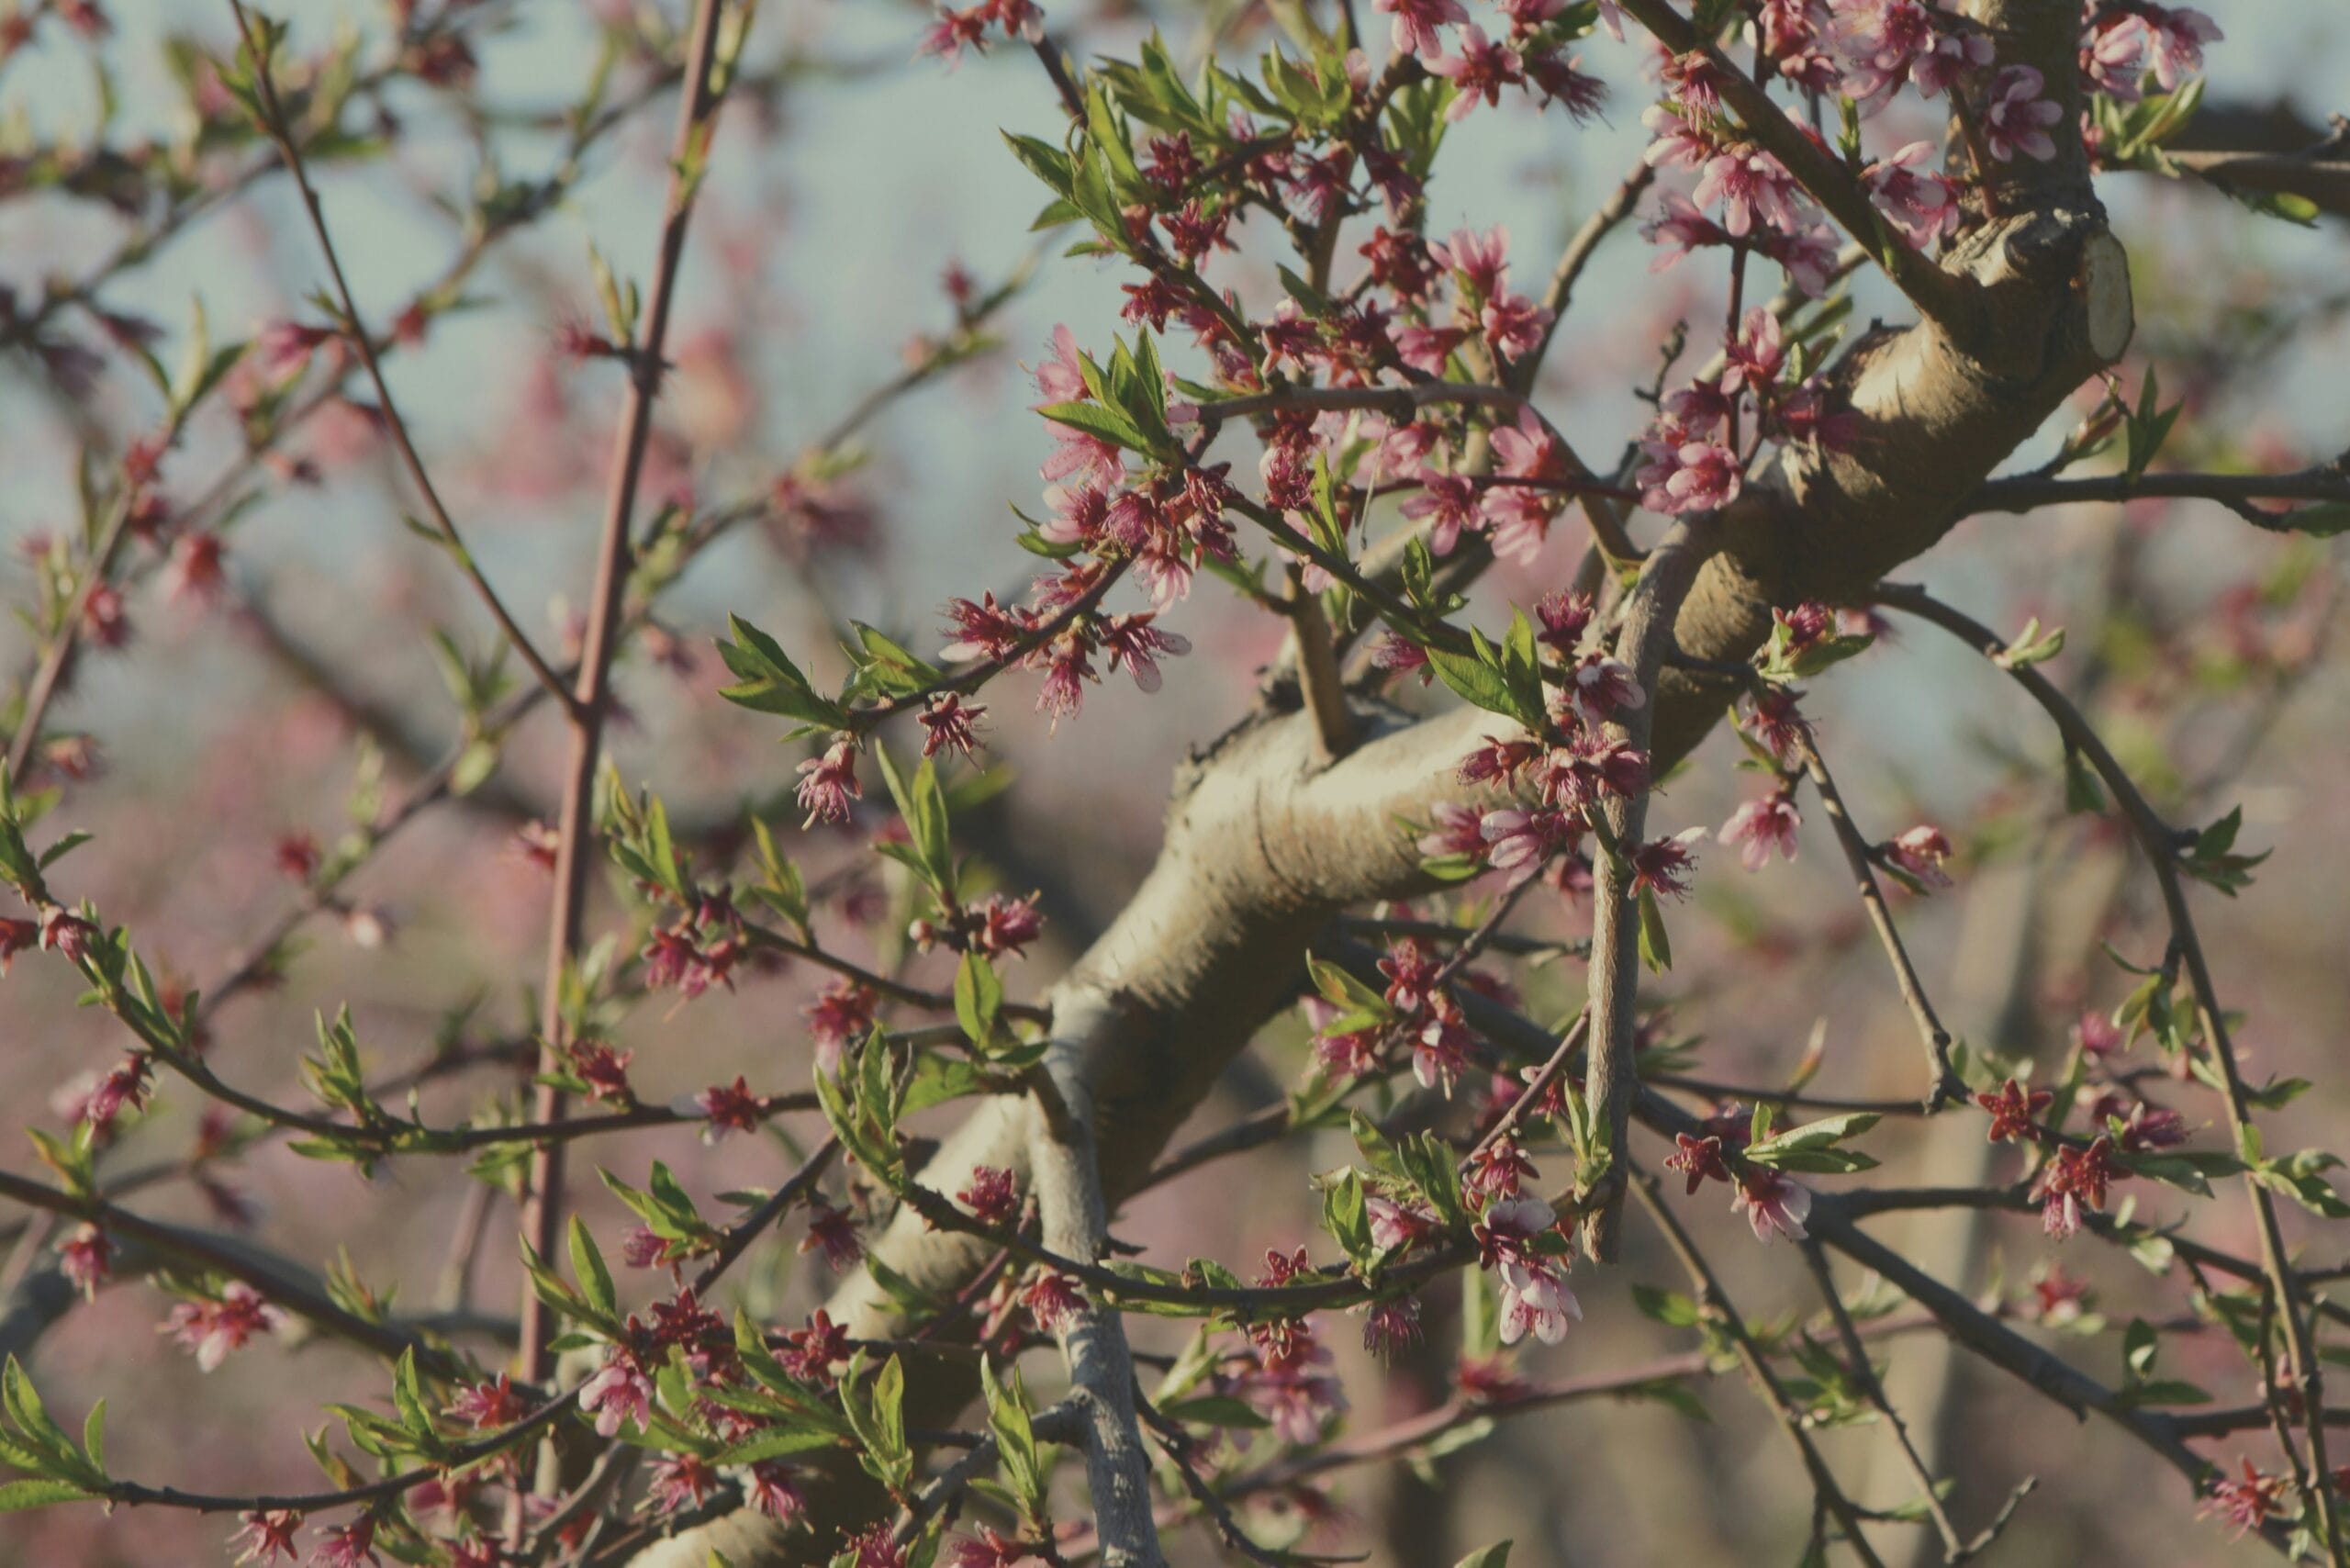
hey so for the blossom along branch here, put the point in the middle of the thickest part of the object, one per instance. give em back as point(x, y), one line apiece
point(276, 1290)
point(259, 87)
point(287, 348)
point(272, 1517)
point(1405, 382)
point(1831, 1221)
point(1946, 298)
point(2163, 846)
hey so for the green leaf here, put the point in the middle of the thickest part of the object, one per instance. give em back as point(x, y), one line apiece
point(774, 1443)
point(1095, 418)
point(1346, 1214)
point(1495, 1556)
point(768, 682)
point(2031, 646)
point(923, 804)
point(587, 1266)
point(1669, 1307)
point(2082, 791)
point(1044, 161)
point(32, 1419)
point(1656, 947)
point(1812, 1148)
point(978, 998)
point(17, 1496)
point(1478, 682)
point(407, 1396)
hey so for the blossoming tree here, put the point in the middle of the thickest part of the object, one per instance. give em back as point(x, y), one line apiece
point(1438, 836)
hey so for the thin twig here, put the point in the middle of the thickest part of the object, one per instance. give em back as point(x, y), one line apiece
point(355, 331)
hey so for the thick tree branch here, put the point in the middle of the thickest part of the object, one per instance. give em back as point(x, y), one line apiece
point(1076, 1220)
point(1614, 970)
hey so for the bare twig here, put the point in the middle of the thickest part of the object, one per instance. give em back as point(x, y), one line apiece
point(1943, 1087)
point(280, 131)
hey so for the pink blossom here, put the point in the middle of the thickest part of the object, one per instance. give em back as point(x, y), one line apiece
point(730, 1108)
point(774, 1490)
point(1390, 1325)
point(1603, 687)
point(1514, 324)
point(213, 1328)
point(619, 1392)
point(2178, 36)
point(1454, 503)
point(1699, 408)
point(1678, 228)
point(1499, 1170)
point(1677, 141)
point(66, 934)
point(1520, 842)
point(1439, 1052)
point(680, 1481)
point(1944, 61)
point(1808, 254)
point(1054, 1301)
point(1753, 189)
point(828, 783)
point(992, 1195)
point(1394, 1224)
point(834, 1233)
point(1534, 1298)
point(85, 1257)
point(1762, 825)
point(1773, 1204)
point(1453, 830)
point(1698, 1158)
point(1693, 476)
point(1134, 645)
point(1562, 81)
point(947, 722)
point(1429, 349)
point(2096, 1035)
point(2247, 1501)
point(1481, 260)
point(1756, 355)
point(843, 1012)
point(2114, 56)
point(267, 1536)
point(1527, 449)
point(283, 349)
point(1662, 866)
point(2016, 117)
point(2072, 1179)
point(1479, 71)
point(1921, 852)
point(1007, 924)
point(348, 1546)
point(1416, 21)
